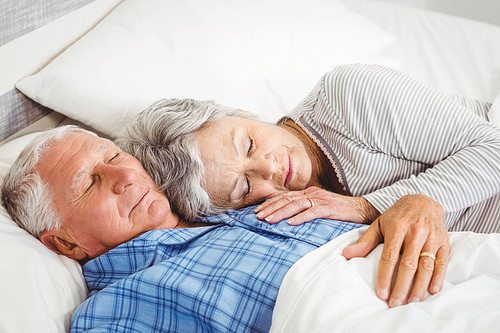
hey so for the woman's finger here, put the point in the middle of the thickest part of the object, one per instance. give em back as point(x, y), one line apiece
point(267, 212)
point(440, 267)
point(279, 200)
point(409, 265)
point(426, 265)
point(431, 272)
point(275, 203)
point(311, 212)
point(365, 244)
point(299, 210)
point(271, 201)
point(387, 263)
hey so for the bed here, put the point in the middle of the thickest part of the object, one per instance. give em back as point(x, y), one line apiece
point(98, 63)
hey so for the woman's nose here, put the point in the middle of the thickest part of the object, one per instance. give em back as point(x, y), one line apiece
point(264, 166)
point(117, 177)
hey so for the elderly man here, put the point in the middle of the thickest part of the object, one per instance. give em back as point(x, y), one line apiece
point(146, 269)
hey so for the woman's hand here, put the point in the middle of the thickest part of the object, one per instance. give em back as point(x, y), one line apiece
point(312, 203)
point(413, 226)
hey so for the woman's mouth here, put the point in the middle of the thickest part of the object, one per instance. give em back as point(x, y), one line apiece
point(289, 172)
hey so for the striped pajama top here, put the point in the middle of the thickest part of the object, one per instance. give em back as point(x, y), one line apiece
point(388, 135)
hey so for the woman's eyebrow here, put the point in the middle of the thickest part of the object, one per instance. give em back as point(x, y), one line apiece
point(236, 135)
point(232, 193)
point(233, 137)
point(237, 194)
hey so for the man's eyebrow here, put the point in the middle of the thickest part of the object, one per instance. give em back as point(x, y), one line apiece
point(103, 147)
point(79, 175)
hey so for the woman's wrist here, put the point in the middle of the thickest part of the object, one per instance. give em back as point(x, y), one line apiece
point(367, 211)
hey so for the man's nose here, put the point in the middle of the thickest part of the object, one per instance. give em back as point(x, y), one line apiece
point(265, 166)
point(118, 178)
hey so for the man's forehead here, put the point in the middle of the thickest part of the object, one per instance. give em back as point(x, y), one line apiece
point(81, 140)
point(72, 147)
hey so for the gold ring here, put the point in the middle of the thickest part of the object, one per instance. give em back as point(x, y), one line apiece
point(310, 201)
point(428, 254)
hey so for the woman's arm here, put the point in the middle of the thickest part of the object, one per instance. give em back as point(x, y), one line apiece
point(456, 152)
point(389, 113)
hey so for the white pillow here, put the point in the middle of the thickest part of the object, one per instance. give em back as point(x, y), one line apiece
point(39, 289)
point(259, 55)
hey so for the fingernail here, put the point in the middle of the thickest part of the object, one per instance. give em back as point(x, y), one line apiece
point(415, 300)
point(257, 208)
point(260, 214)
point(395, 302)
point(383, 294)
point(435, 289)
point(291, 221)
point(269, 218)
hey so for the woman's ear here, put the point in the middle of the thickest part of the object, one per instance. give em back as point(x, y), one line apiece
point(60, 245)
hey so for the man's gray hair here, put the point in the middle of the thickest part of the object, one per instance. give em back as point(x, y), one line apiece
point(163, 138)
point(25, 196)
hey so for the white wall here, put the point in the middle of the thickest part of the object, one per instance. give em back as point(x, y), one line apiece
point(481, 10)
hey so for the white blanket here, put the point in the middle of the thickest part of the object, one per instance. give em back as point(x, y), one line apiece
point(323, 292)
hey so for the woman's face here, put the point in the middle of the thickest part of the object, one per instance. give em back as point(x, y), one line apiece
point(247, 161)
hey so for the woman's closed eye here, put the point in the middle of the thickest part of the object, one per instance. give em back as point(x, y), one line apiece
point(249, 187)
point(250, 147)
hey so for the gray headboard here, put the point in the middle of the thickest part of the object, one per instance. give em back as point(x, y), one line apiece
point(18, 18)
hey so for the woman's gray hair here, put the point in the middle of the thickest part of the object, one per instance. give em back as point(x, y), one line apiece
point(163, 138)
point(25, 196)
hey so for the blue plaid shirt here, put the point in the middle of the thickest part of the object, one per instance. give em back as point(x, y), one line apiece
point(220, 278)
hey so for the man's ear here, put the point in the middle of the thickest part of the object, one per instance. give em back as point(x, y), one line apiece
point(60, 245)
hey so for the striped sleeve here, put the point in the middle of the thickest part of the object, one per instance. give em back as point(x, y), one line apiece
point(389, 113)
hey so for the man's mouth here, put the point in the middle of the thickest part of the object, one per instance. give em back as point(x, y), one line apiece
point(143, 195)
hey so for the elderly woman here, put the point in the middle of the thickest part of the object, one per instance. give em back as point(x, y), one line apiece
point(368, 144)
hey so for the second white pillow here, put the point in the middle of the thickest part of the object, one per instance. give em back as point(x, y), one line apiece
point(263, 56)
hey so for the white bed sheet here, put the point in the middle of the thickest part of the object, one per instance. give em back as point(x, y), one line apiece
point(323, 292)
point(453, 54)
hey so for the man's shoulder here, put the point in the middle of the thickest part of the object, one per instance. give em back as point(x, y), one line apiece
point(139, 253)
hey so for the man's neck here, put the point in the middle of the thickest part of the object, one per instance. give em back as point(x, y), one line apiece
point(194, 224)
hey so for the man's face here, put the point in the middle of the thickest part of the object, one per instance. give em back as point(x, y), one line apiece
point(102, 194)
